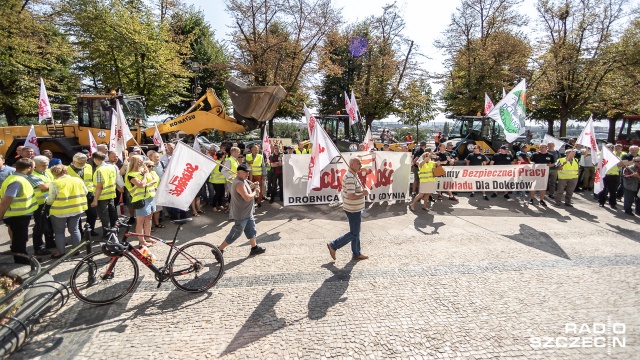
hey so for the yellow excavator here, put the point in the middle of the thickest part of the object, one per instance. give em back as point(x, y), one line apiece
point(252, 107)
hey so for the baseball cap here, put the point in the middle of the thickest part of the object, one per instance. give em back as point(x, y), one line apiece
point(243, 167)
point(504, 147)
point(136, 149)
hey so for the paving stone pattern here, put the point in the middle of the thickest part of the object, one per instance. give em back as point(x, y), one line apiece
point(476, 280)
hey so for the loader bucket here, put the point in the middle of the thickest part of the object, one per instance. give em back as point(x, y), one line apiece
point(257, 103)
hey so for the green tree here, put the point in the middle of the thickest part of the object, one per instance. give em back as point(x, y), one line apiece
point(31, 46)
point(123, 44)
point(189, 26)
point(486, 51)
point(276, 42)
point(417, 102)
point(375, 77)
point(576, 58)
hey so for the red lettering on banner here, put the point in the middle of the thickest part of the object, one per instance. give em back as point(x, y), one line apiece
point(596, 178)
point(34, 141)
point(604, 162)
point(375, 178)
point(180, 183)
point(331, 179)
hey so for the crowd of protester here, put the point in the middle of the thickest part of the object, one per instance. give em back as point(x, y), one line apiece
point(97, 187)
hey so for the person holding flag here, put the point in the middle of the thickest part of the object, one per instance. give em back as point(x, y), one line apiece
point(611, 179)
point(353, 197)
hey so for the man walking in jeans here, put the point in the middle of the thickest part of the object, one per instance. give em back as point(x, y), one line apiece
point(353, 195)
point(243, 193)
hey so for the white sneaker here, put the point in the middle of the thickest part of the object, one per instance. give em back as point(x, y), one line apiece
point(510, 199)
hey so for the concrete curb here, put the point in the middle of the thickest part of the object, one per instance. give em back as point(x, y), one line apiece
point(35, 304)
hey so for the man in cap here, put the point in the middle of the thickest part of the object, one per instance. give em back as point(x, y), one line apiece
point(243, 194)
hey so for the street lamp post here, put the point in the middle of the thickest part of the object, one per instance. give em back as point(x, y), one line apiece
point(195, 89)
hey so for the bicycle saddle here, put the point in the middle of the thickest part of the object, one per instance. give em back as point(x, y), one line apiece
point(182, 221)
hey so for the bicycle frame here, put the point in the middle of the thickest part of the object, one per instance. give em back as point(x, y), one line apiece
point(143, 259)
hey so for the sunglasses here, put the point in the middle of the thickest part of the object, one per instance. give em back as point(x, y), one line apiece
point(150, 166)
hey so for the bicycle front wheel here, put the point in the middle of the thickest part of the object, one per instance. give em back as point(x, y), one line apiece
point(196, 267)
point(99, 279)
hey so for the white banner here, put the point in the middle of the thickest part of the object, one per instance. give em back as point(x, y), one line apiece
point(184, 176)
point(44, 106)
point(93, 147)
point(388, 178)
point(494, 178)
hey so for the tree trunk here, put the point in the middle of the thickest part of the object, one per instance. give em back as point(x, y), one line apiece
point(550, 127)
point(270, 133)
point(12, 115)
point(563, 127)
point(611, 137)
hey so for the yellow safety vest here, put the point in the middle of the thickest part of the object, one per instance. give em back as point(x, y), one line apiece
point(109, 176)
point(217, 177)
point(304, 151)
point(71, 198)
point(24, 203)
point(137, 193)
point(87, 176)
point(569, 170)
point(256, 167)
point(425, 173)
point(151, 189)
point(47, 178)
point(234, 168)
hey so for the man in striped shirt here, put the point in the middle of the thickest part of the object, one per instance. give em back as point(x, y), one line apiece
point(353, 195)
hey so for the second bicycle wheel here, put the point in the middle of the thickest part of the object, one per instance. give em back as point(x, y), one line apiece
point(99, 279)
point(196, 267)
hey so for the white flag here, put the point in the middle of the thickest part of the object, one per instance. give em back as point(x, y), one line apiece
point(353, 110)
point(93, 146)
point(120, 133)
point(606, 160)
point(266, 146)
point(488, 104)
point(44, 106)
point(196, 145)
point(157, 140)
point(184, 176)
point(32, 141)
point(323, 152)
point(548, 139)
point(511, 112)
point(368, 141)
point(588, 139)
point(311, 121)
point(347, 106)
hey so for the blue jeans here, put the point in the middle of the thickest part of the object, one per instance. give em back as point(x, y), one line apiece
point(59, 224)
point(353, 236)
point(248, 226)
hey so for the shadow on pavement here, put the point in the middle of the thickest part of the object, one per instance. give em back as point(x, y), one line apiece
point(262, 322)
point(331, 291)
point(68, 339)
point(538, 240)
point(628, 233)
point(425, 219)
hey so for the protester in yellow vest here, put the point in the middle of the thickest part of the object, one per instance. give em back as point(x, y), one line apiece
point(218, 181)
point(428, 182)
point(68, 200)
point(141, 185)
point(256, 161)
point(300, 149)
point(567, 177)
point(81, 170)
point(17, 205)
point(41, 190)
point(105, 183)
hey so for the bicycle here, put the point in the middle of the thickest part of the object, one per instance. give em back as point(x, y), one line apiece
point(108, 275)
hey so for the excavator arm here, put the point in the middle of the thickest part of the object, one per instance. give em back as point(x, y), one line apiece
point(252, 107)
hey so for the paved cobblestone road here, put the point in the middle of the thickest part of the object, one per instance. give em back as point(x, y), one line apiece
point(476, 281)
